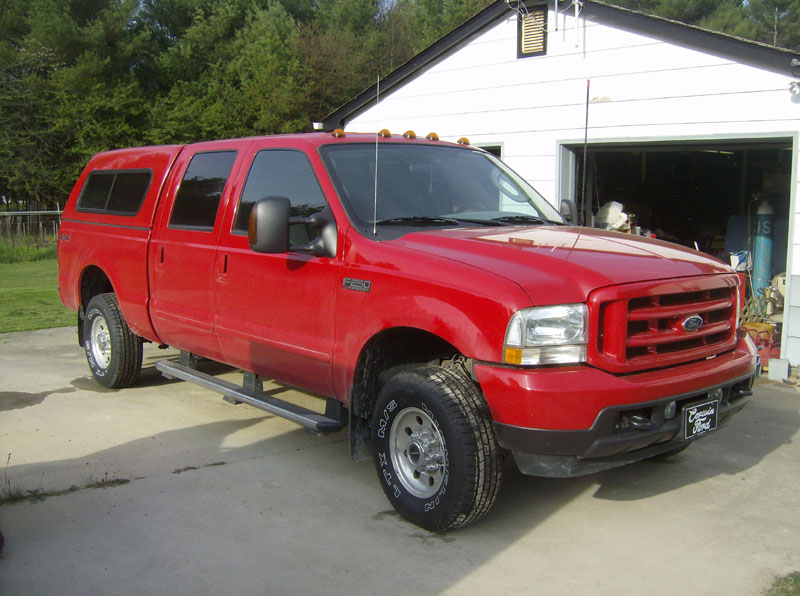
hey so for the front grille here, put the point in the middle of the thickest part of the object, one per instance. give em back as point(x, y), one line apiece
point(641, 326)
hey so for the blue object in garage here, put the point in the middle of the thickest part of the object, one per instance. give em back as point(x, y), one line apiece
point(762, 248)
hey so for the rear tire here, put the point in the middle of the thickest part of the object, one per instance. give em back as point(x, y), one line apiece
point(434, 447)
point(113, 351)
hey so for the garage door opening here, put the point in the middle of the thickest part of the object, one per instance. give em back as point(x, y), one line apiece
point(701, 195)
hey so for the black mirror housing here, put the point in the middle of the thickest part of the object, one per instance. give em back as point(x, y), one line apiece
point(268, 226)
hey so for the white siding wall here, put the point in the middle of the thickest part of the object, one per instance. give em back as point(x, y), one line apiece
point(655, 90)
point(643, 89)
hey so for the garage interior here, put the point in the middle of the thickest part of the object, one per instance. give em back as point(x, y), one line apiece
point(700, 195)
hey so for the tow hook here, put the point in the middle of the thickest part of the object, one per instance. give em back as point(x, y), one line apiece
point(638, 422)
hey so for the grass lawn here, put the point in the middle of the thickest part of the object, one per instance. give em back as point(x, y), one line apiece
point(786, 586)
point(29, 299)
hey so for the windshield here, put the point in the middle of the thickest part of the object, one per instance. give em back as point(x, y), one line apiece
point(431, 186)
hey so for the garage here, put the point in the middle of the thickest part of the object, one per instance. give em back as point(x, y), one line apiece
point(700, 195)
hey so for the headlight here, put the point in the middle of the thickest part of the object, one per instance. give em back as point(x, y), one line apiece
point(547, 335)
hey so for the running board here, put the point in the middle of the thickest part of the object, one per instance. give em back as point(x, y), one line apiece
point(308, 419)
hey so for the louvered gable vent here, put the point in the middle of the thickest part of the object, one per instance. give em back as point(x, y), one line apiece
point(532, 32)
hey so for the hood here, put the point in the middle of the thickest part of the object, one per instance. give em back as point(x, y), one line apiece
point(557, 265)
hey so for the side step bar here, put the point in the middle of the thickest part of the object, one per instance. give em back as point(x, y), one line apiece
point(308, 419)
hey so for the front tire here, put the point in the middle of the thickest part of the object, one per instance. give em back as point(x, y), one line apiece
point(113, 351)
point(435, 450)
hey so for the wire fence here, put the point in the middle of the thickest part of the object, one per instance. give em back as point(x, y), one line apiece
point(29, 227)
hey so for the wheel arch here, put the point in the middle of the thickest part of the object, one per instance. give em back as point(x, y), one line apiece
point(93, 281)
point(391, 349)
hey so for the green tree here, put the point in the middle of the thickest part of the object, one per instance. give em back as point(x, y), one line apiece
point(29, 173)
point(257, 88)
point(435, 18)
point(777, 22)
point(66, 91)
point(730, 18)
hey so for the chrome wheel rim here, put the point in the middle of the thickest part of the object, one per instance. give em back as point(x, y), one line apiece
point(417, 449)
point(101, 342)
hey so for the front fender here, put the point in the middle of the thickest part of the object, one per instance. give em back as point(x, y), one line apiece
point(464, 306)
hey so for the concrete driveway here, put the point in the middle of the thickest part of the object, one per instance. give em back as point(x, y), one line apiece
point(227, 499)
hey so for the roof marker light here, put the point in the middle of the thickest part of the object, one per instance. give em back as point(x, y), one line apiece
point(338, 133)
point(463, 141)
point(410, 134)
point(432, 136)
point(384, 134)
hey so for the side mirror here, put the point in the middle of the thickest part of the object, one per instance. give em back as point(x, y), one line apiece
point(568, 211)
point(268, 229)
point(268, 226)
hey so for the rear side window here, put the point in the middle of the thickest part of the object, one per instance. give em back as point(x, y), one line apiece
point(199, 195)
point(119, 192)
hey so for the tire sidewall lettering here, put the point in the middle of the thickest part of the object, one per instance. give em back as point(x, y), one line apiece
point(98, 371)
point(95, 368)
point(387, 475)
point(384, 419)
point(383, 423)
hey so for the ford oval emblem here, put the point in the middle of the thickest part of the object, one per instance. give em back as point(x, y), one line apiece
point(692, 323)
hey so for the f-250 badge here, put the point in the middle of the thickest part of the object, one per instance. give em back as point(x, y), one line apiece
point(359, 285)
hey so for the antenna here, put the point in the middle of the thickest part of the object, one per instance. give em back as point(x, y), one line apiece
point(587, 208)
point(520, 8)
point(377, 119)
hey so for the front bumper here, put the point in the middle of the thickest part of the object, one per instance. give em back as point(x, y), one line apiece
point(613, 441)
point(572, 421)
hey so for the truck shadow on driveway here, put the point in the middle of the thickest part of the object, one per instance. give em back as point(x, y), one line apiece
point(150, 376)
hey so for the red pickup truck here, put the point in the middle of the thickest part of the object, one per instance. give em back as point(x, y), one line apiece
point(442, 309)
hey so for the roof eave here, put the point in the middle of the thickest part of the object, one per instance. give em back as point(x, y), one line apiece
point(774, 59)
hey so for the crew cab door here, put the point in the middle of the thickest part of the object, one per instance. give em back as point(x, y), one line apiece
point(183, 249)
point(275, 312)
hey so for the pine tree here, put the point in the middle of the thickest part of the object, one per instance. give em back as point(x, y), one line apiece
point(777, 22)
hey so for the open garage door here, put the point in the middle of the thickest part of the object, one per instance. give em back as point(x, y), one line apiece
point(702, 195)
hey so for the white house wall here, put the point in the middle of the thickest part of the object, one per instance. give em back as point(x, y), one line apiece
point(642, 89)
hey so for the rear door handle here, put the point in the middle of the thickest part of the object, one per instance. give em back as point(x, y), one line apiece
point(222, 268)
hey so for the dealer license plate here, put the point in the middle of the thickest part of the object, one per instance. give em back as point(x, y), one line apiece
point(700, 419)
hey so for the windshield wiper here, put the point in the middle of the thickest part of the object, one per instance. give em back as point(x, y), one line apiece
point(522, 219)
point(418, 220)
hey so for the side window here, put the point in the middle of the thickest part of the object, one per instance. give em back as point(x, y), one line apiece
point(95, 192)
point(282, 173)
point(119, 192)
point(200, 192)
